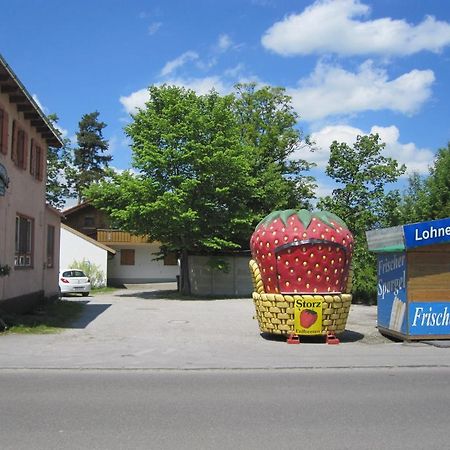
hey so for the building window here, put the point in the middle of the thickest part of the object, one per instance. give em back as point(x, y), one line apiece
point(3, 131)
point(170, 259)
point(24, 242)
point(127, 257)
point(89, 222)
point(50, 246)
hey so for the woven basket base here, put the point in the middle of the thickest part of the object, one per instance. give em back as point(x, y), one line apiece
point(275, 312)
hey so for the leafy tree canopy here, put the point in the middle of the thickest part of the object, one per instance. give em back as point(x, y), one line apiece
point(438, 185)
point(415, 201)
point(268, 126)
point(361, 201)
point(207, 168)
point(58, 159)
point(428, 198)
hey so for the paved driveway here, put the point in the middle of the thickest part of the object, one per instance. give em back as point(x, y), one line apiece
point(142, 328)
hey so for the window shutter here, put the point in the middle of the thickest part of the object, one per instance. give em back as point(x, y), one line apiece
point(40, 164)
point(4, 131)
point(15, 129)
point(127, 257)
point(32, 158)
point(24, 150)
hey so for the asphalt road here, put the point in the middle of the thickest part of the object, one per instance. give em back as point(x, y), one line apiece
point(398, 408)
point(142, 371)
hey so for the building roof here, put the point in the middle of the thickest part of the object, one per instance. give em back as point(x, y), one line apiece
point(88, 239)
point(386, 240)
point(76, 208)
point(409, 236)
point(11, 85)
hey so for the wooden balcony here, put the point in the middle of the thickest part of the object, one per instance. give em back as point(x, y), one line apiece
point(120, 237)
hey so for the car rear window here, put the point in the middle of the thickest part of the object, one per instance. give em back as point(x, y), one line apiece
point(73, 274)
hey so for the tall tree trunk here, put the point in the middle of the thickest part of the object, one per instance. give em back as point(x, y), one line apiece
point(185, 284)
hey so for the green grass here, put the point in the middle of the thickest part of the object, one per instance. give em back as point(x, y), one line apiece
point(103, 290)
point(45, 319)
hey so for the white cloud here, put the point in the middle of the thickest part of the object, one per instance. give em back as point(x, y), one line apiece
point(331, 90)
point(154, 27)
point(135, 100)
point(130, 170)
point(234, 72)
point(323, 188)
point(113, 143)
point(62, 130)
point(41, 106)
point(224, 42)
point(73, 140)
point(174, 64)
point(201, 86)
point(223, 86)
point(416, 159)
point(70, 203)
point(335, 26)
point(206, 64)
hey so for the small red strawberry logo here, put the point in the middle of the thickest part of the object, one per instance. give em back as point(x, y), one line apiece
point(308, 318)
point(302, 252)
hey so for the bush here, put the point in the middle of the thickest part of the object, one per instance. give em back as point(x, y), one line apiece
point(93, 271)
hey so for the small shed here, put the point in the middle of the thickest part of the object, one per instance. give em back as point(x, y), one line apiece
point(413, 288)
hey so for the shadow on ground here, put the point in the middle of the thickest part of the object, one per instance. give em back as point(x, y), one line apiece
point(89, 314)
point(346, 336)
point(170, 295)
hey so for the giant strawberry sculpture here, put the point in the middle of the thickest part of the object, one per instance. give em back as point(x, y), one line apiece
point(301, 273)
point(302, 252)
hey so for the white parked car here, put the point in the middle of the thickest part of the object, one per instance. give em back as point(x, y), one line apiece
point(74, 280)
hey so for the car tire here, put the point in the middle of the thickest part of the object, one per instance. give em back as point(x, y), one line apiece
point(85, 294)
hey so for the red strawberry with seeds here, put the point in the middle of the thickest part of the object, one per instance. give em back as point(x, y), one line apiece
point(308, 318)
point(302, 252)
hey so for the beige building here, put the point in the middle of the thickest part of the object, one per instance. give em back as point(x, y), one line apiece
point(134, 259)
point(29, 229)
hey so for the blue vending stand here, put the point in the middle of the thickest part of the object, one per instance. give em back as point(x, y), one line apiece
point(413, 289)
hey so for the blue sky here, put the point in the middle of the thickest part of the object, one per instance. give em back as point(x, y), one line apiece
point(352, 67)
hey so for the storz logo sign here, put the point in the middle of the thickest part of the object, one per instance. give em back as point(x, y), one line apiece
point(427, 233)
point(429, 318)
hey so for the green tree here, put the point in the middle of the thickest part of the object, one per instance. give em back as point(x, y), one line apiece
point(90, 161)
point(438, 186)
point(428, 198)
point(268, 122)
point(361, 200)
point(58, 160)
point(414, 202)
point(196, 178)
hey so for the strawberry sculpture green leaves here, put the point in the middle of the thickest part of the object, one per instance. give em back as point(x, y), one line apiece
point(302, 252)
